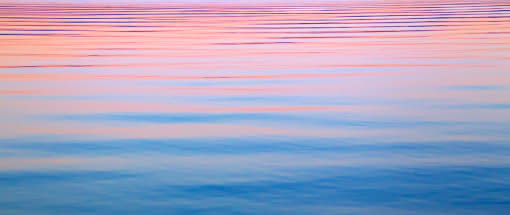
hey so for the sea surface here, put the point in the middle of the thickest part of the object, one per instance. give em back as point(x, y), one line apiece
point(255, 107)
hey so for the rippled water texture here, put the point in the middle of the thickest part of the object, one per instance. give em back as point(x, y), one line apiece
point(258, 107)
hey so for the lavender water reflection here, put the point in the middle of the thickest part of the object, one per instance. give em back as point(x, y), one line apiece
point(348, 107)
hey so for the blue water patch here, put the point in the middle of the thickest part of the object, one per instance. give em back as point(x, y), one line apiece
point(317, 119)
point(356, 191)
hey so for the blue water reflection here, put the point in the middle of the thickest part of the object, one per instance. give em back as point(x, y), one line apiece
point(254, 107)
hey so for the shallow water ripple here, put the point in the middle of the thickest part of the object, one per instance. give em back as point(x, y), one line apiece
point(221, 107)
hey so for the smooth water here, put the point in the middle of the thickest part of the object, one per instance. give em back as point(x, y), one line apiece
point(255, 107)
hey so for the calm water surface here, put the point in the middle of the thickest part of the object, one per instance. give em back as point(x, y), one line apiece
point(346, 107)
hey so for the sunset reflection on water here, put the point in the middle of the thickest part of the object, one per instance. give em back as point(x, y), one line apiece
point(255, 107)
